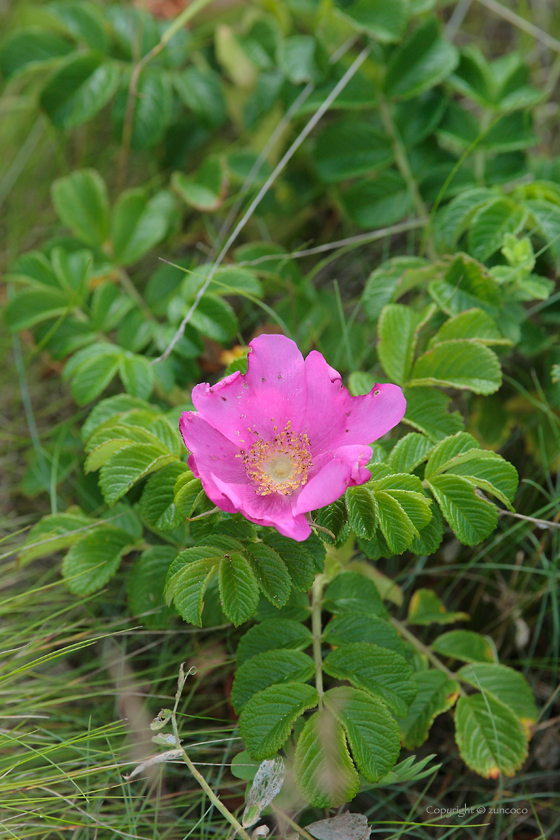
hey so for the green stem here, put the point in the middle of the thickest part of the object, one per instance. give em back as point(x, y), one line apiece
point(422, 648)
point(401, 159)
point(317, 631)
point(480, 154)
point(131, 290)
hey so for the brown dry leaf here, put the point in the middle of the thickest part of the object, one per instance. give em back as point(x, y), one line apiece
point(344, 827)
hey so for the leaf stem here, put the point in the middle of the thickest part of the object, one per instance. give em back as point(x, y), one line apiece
point(422, 648)
point(401, 159)
point(317, 631)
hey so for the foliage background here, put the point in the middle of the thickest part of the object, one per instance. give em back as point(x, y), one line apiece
point(82, 679)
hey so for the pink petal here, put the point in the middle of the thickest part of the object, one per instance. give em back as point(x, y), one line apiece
point(247, 407)
point(343, 468)
point(335, 418)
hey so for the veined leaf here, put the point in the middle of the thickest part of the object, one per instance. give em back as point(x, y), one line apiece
point(465, 645)
point(323, 771)
point(371, 730)
point(82, 204)
point(270, 572)
point(459, 364)
point(182, 563)
point(436, 694)
point(238, 588)
point(397, 329)
point(354, 593)
point(426, 608)
point(127, 466)
point(347, 628)
point(267, 719)
point(362, 511)
point(490, 225)
point(506, 685)
point(269, 668)
point(426, 410)
point(447, 450)
point(188, 587)
point(471, 325)
point(489, 736)
point(297, 558)
point(157, 502)
point(94, 559)
point(272, 634)
point(377, 670)
point(471, 517)
point(409, 452)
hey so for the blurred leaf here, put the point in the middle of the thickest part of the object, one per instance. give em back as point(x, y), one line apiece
point(152, 108)
point(81, 20)
point(491, 224)
point(379, 202)
point(82, 204)
point(79, 89)
point(422, 61)
point(207, 189)
point(94, 559)
point(426, 608)
point(426, 410)
point(145, 586)
point(506, 685)
point(139, 223)
point(351, 148)
point(384, 21)
point(137, 375)
point(301, 59)
point(201, 91)
point(28, 48)
point(465, 645)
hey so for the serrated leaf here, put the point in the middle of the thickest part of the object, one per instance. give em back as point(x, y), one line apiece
point(409, 452)
point(269, 668)
point(335, 519)
point(489, 736)
point(465, 645)
point(82, 204)
point(137, 375)
point(323, 771)
point(273, 634)
point(182, 563)
point(113, 407)
point(214, 318)
point(459, 364)
point(388, 282)
point(145, 586)
point(157, 502)
point(298, 560)
point(491, 473)
point(426, 608)
point(471, 325)
point(127, 466)
point(362, 511)
point(452, 220)
point(207, 188)
point(371, 730)
point(188, 587)
point(443, 454)
point(93, 375)
point(347, 628)
point(188, 497)
point(421, 62)
point(384, 21)
point(491, 224)
point(139, 223)
point(270, 572)
point(471, 517)
point(239, 592)
point(297, 608)
point(354, 593)
point(267, 719)
point(94, 559)
point(397, 339)
point(436, 694)
point(52, 533)
point(426, 410)
point(379, 671)
point(396, 523)
point(506, 685)
point(80, 87)
point(467, 284)
point(430, 537)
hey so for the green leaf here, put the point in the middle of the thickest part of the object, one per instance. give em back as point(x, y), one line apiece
point(422, 61)
point(91, 375)
point(453, 220)
point(397, 330)
point(298, 559)
point(81, 86)
point(94, 559)
point(207, 189)
point(489, 736)
point(157, 503)
point(112, 408)
point(504, 684)
point(297, 608)
point(426, 410)
point(145, 586)
point(272, 634)
point(333, 517)
point(378, 670)
point(200, 90)
point(267, 719)
point(384, 21)
point(188, 496)
point(491, 473)
point(82, 21)
point(426, 608)
point(431, 535)
point(214, 318)
point(465, 645)
point(362, 511)
point(378, 202)
point(388, 282)
point(471, 325)
point(27, 49)
point(350, 148)
point(81, 202)
point(442, 456)
point(360, 382)
point(348, 628)
point(269, 668)
point(243, 767)
point(300, 59)
point(153, 105)
point(188, 586)
point(545, 216)
point(137, 375)
point(32, 306)
point(459, 364)
point(127, 466)
point(323, 770)
point(490, 225)
point(409, 452)
point(270, 572)
point(371, 730)
point(351, 592)
point(239, 591)
point(436, 694)
point(403, 509)
point(467, 284)
point(472, 518)
point(418, 118)
point(139, 223)
point(53, 533)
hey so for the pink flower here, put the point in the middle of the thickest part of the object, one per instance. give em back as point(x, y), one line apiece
point(285, 438)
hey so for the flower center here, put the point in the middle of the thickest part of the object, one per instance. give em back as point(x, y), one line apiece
point(280, 465)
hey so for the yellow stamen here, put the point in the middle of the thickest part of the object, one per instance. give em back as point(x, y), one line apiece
point(280, 465)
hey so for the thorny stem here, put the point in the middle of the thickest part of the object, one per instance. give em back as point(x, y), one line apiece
point(316, 629)
point(422, 648)
point(191, 10)
point(403, 165)
point(197, 775)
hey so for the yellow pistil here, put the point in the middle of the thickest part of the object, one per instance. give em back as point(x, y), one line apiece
point(280, 465)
